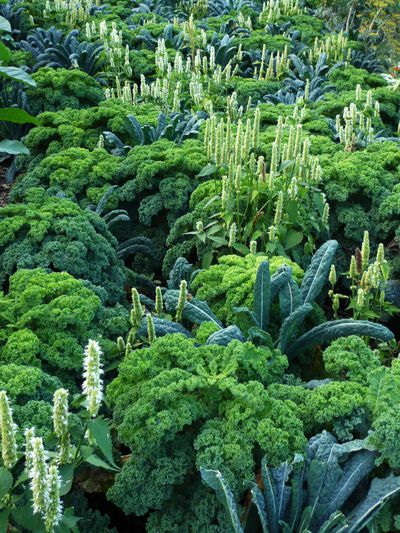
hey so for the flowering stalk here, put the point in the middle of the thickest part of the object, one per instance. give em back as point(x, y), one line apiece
point(60, 424)
point(181, 300)
point(159, 302)
point(29, 435)
point(38, 474)
point(93, 384)
point(7, 430)
point(137, 311)
point(151, 332)
point(53, 511)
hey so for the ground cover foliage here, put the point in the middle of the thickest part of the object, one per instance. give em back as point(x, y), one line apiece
point(199, 266)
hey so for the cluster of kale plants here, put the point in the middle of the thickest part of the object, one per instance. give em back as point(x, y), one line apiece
point(199, 261)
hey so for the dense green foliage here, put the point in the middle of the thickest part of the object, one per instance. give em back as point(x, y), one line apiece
point(225, 418)
point(231, 283)
point(51, 232)
point(199, 225)
point(46, 320)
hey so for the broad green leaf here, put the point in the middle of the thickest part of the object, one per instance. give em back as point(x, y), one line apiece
point(5, 25)
point(207, 259)
point(6, 482)
point(68, 521)
point(4, 515)
point(100, 463)
point(215, 480)
point(5, 53)
point(318, 271)
point(208, 170)
point(17, 74)
point(240, 248)
point(262, 295)
point(100, 431)
point(24, 517)
point(18, 116)
point(293, 238)
point(13, 147)
point(67, 477)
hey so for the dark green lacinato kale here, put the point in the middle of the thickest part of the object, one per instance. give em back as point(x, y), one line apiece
point(179, 406)
point(175, 127)
point(310, 493)
point(56, 234)
point(305, 81)
point(50, 48)
point(60, 89)
point(46, 320)
point(295, 305)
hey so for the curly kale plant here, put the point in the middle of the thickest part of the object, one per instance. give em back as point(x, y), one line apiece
point(362, 191)
point(231, 283)
point(27, 383)
point(179, 406)
point(56, 234)
point(61, 88)
point(46, 319)
point(82, 128)
point(77, 173)
point(309, 493)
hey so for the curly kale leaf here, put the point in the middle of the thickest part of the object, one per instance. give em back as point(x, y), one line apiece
point(231, 283)
point(56, 234)
point(178, 405)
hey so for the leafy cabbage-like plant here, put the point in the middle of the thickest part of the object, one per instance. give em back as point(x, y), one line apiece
point(308, 494)
point(295, 305)
point(304, 81)
point(176, 127)
point(50, 48)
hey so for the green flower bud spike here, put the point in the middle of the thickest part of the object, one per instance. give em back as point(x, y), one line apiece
point(365, 251)
point(53, 512)
point(159, 302)
point(151, 332)
point(38, 475)
point(181, 300)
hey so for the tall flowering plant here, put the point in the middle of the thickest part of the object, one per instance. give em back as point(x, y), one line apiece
point(47, 475)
